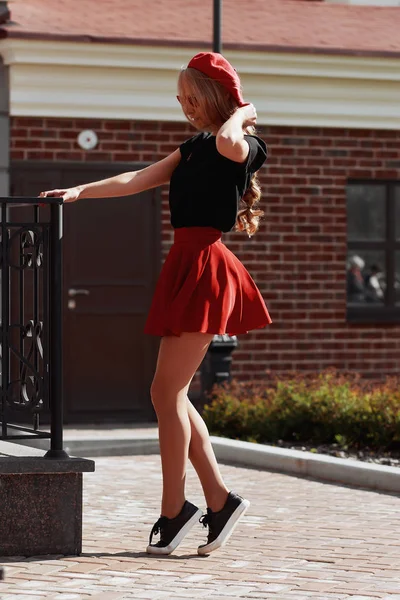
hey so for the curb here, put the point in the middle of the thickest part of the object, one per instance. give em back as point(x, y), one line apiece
point(307, 464)
point(246, 454)
point(102, 445)
point(127, 447)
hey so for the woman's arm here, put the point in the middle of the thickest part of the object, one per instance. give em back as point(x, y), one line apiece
point(230, 137)
point(125, 184)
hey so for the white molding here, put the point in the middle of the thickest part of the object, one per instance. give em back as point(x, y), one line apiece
point(68, 79)
point(365, 2)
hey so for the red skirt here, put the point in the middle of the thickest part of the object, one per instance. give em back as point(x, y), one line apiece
point(204, 287)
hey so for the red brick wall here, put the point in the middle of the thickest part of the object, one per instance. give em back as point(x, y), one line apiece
point(298, 256)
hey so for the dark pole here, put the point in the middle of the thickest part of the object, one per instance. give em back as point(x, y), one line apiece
point(217, 44)
point(5, 317)
point(56, 382)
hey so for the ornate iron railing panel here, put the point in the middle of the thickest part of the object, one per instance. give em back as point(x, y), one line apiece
point(31, 312)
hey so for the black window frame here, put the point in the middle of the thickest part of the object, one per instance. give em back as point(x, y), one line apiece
point(388, 312)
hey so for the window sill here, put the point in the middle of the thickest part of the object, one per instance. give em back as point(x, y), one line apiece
point(373, 315)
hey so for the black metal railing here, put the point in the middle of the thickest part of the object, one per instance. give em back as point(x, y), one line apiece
point(31, 320)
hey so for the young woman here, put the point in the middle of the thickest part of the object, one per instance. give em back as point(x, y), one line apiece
point(203, 289)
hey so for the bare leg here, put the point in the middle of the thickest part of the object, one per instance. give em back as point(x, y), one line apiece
point(178, 361)
point(203, 459)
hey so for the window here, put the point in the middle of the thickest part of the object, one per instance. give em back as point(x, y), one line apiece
point(373, 251)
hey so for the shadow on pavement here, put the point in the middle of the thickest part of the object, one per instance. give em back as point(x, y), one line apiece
point(139, 555)
point(42, 558)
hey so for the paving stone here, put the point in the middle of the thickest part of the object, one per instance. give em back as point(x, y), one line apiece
point(84, 568)
point(73, 584)
point(23, 597)
point(300, 540)
point(108, 596)
point(69, 596)
point(199, 577)
point(367, 597)
point(77, 576)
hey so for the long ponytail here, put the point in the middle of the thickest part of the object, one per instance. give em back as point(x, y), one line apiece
point(248, 217)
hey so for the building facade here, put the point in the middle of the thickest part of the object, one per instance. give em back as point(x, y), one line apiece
point(326, 257)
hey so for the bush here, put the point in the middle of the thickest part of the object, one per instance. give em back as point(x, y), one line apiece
point(324, 408)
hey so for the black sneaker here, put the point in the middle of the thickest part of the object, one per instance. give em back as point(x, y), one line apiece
point(172, 531)
point(222, 523)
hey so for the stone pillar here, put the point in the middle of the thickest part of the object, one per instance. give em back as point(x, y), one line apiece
point(40, 502)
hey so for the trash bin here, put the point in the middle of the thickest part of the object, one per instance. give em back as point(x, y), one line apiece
point(216, 366)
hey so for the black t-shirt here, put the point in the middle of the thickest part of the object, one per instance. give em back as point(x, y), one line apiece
point(206, 187)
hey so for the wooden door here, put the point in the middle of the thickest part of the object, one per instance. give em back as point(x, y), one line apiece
point(111, 258)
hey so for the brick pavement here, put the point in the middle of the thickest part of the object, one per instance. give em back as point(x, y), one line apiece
point(301, 539)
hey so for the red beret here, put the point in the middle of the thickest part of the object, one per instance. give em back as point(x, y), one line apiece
point(215, 66)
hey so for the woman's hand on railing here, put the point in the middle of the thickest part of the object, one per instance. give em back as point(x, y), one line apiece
point(68, 194)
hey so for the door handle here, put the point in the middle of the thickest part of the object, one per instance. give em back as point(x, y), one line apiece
point(73, 292)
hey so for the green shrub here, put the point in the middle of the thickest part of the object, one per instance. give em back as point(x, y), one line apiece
point(323, 408)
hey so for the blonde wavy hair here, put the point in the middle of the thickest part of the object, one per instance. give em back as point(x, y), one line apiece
point(218, 104)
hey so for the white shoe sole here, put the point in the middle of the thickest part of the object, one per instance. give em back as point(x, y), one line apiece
point(227, 530)
point(177, 539)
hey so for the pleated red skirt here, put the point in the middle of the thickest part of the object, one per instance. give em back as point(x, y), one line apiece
point(204, 287)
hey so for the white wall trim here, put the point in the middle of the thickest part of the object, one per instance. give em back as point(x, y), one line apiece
point(69, 79)
point(365, 2)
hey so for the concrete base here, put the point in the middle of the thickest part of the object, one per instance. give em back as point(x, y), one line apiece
point(41, 503)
